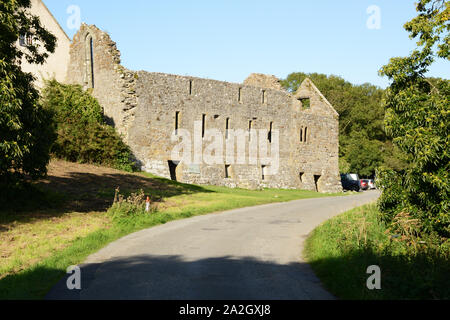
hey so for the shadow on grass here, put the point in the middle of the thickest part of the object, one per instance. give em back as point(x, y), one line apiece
point(173, 278)
point(29, 285)
point(82, 192)
point(420, 277)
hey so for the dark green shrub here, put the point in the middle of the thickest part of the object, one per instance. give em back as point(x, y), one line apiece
point(83, 135)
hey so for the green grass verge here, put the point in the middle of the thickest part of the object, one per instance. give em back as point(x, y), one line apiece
point(180, 201)
point(341, 250)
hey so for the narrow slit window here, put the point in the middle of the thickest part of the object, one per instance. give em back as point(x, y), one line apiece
point(263, 169)
point(190, 87)
point(177, 121)
point(301, 134)
point(91, 49)
point(203, 125)
point(264, 96)
point(306, 135)
point(270, 132)
point(240, 95)
point(227, 128)
point(250, 125)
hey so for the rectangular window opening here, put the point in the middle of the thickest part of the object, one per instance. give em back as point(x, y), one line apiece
point(264, 97)
point(26, 40)
point(306, 103)
point(22, 41)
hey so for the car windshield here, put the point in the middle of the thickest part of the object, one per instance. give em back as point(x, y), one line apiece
point(353, 176)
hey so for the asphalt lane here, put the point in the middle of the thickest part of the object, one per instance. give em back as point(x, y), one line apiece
point(245, 254)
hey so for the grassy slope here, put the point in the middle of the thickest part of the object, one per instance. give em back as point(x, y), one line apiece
point(40, 249)
point(341, 250)
point(24, 244)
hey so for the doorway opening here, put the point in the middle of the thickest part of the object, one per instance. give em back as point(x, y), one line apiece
point(173, 169)
point(302, 174)
point(227, 171)
point(264, 173)
point(317, 182)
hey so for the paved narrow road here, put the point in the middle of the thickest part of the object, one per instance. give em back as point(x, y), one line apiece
point(251, 253)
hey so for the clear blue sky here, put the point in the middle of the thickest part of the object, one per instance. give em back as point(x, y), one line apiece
point(229, 39)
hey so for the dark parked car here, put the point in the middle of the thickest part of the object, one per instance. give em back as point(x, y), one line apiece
point(351, 182)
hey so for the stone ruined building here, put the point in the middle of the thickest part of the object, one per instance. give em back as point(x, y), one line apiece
point(147, 107)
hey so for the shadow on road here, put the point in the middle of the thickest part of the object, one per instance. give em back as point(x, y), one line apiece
point(172, 278)
point(148, 277)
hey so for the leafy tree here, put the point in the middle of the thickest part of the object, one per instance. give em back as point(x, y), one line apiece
point(418, 120)
point(83, 135)
point(363, 155)
point(26, 131)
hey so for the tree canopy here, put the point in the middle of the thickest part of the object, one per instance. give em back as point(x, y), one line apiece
point(26, 130)
point(418, 121)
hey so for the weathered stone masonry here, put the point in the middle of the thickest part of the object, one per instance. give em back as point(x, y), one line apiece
point(146, 107)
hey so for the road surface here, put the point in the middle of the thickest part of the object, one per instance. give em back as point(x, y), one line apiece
point(244, 254)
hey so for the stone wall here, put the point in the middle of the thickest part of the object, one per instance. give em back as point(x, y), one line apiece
point(148, 107)
point(99, 70)
point(263, 81)
point(162, 96)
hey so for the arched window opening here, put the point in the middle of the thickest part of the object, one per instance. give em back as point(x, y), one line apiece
point(91, 54)
point(89, 74)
